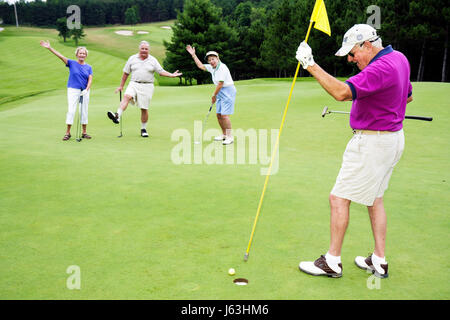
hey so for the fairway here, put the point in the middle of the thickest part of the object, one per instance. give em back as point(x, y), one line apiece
point(140, 226)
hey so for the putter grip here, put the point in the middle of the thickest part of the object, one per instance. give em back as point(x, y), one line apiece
point(419, 118)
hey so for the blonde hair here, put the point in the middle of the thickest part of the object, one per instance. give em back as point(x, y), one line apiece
point(80, 48)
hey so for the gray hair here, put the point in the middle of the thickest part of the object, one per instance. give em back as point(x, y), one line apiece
point(81, 48)
point(378, 43)
point(144, 42)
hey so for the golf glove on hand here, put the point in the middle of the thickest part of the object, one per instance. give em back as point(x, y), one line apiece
point(84, 92)
point(304, 55)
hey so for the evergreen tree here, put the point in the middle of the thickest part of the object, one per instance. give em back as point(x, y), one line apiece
point(249, 24)
point(287, 28)
point(61, 26)
point(94, 13)
point(131, 16)
point(163, 9)
point(199, 25)
point(77, 34)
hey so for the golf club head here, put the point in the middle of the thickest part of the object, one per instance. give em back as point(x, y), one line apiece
point(119, 136)
point(78, 139)
point(324, 112)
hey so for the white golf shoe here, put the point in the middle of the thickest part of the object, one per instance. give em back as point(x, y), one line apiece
point(144, 133)
point(228, 140)
point(220, 138)
point(379, 270)
point(320, 268)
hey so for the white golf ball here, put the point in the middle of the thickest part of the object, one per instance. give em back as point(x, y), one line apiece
point(231, 272)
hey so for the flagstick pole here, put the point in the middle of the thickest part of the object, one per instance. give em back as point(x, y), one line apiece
point(274, 152)
point(309, 30)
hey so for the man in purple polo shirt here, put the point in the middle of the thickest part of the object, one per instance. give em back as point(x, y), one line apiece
point(380, 93)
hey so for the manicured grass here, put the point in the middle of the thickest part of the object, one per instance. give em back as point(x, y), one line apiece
point(27, 68)
point(141, 227)
point(105, 39)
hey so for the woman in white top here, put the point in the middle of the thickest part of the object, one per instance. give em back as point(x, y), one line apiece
point(224, 94)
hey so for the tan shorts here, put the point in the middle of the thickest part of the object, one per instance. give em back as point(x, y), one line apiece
point(141, 93)
point(367, 166)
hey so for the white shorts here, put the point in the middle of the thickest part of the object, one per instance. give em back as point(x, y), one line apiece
point(141, 93)
point(73, 98)
point(367, 166)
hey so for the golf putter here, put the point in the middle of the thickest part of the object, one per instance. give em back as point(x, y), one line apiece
point(326, 111)
point(121, 120)
point(79, 119)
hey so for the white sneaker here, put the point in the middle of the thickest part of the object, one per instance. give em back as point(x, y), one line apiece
point(220, 138)
point(379, 270)
point(228, 140)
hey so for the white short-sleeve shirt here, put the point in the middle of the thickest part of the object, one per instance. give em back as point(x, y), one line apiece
point(220, 73)
point(142, 70)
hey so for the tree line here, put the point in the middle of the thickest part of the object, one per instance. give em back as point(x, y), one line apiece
point(259, 38)
point(94, 12)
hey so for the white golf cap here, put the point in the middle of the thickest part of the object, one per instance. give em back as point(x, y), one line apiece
point(356, 34)
point(211, 53)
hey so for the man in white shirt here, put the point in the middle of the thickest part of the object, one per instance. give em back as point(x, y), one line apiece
point(224, 94)
point(142, 67)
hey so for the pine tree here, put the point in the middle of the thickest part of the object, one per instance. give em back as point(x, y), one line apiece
point(61, 26)
point(249, 23)
point(289, 22)
point(200, 25)
point(77, 34)
point(131, 16)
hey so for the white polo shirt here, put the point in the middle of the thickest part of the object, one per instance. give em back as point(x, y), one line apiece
point(220, 73)
point(142, 70)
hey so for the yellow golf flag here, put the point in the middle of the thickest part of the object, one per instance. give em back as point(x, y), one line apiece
point(320, 17)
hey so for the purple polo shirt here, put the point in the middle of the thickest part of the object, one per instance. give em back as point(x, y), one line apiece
point(380, 92)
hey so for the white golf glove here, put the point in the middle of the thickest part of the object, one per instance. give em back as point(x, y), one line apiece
point(304, 55)
point(84, 92)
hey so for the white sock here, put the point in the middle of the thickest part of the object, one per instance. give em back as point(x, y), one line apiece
point(333, 262)
point(378, 260)
point(144, 125)
point(119, 112)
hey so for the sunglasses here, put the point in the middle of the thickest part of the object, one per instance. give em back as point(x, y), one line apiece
point(352, 54)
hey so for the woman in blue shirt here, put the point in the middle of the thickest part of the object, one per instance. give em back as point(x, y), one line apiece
point(79, 83)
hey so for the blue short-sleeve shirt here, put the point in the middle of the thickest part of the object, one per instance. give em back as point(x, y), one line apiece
point(78, 75)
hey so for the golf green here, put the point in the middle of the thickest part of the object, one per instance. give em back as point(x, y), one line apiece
point(137, 225)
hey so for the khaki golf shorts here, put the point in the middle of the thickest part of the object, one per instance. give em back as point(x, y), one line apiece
point(367, 166)
point(141, 93)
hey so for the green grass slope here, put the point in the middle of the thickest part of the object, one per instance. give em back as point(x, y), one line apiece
point(28, 69)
